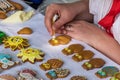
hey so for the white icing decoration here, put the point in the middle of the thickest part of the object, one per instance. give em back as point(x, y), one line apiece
point(28, 76)
point(5, 63)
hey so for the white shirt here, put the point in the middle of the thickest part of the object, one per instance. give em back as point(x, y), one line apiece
point(99, 8)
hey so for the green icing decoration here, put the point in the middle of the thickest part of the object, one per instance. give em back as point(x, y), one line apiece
point(2, 35)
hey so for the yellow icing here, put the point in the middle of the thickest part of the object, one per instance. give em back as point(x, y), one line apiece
point(15, 42)
point(30, 54)
point(46, 65)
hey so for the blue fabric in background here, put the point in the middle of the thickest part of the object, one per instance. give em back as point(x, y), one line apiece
point(36, 1)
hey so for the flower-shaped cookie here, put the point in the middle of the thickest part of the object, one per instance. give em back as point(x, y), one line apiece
point(107, 71)
point(116, 76)
point(93, 63)
point(31, 55)
point(15, 42)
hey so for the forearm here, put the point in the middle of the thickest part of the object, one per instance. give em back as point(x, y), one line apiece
point(109, 46)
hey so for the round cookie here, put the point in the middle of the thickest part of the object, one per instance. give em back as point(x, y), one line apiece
point(83, 55)
point(73, 48)
point(78, 78)
point(107, 71)
point(7, 77)
point(51, 74)
point(93, 63)
point(51, 64)
point(55, 63)
point(60, 40)
point(15, 42)
point(25, 30)
point(31, 55)
point(116, 76)
point(62, 73)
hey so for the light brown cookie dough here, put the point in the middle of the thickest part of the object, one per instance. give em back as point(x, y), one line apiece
point(73, 48)
point(25, 30)
point(78, 78)
point(116, 76)
point(58, 73)
point(51, 64)
point(93, 63)
point(60, 40)
point(107, 71)
point(83, 55)
point(7, 77)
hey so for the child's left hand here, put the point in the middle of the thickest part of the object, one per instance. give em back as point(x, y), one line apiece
point(84, 31)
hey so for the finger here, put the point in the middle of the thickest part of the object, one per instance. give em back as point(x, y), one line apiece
point(60, 22)
point(49, 14)
point(69, 27)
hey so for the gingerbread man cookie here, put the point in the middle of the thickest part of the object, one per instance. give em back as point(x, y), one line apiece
point(116, 76)
point(7, 77)
point(27, 74)
point(31, 55)
point(107, 71)
point(83, 55)
point(15, 42)
point(73, 48)
point(6, 62)
point(51, 64)
point(58, 73)
point(60, 40)
point(8, 5)
point(93, 63)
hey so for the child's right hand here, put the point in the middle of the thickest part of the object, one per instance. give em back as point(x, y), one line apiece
point(67, 12)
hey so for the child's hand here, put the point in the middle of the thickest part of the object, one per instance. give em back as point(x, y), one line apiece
point(66, 12)
point(84, 31)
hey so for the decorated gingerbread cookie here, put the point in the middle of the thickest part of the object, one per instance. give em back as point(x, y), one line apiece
point(93, 63)
point(73, 48)
point(116, 76)
point(107, 71)
point(83, 55)
point(58, 73)
point(51, 64)
point(8, 5)
point(6, 61)
point(78, 78)
point(31, 55)
point(2, 36)
point(7, 77)
point(15, 42)
point(27, 74)
point(60, 40)
point(25, 30)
